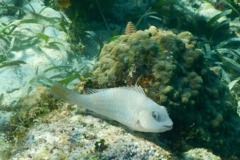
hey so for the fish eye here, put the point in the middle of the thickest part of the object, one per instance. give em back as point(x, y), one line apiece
point(156, 116)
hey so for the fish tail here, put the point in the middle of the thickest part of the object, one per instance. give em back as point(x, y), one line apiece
point(69, 95)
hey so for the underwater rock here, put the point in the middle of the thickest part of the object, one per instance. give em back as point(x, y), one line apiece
point(207, 10)
point(4, 145)
point(5, 120)
point(36, 42)
point(199, 154)
point(178, 78)
point(6, 15)
point(65, 132)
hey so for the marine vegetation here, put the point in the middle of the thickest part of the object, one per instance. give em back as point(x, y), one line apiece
point(79, 12)
point(13, 38)
point(174, 73)
point(192, 18)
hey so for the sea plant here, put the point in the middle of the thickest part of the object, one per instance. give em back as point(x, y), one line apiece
point(15, 39)
point(233, 4)
point(64, 75)
point(176, 15)
point(224, 59)
point(149, 14)
point(234, 87)
point(217, 23)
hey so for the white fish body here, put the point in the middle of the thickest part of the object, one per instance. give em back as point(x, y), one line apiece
point(127, 105)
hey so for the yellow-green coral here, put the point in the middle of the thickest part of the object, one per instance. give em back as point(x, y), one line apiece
point(175, 75)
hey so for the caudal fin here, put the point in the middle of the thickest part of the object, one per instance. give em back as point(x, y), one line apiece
point(60, 91)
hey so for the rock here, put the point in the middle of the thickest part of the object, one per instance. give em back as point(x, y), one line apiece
point(36, 41)
point(199, 154)
point(5, 145)
point(5, 120)
point(75, 136)
point(66, 132)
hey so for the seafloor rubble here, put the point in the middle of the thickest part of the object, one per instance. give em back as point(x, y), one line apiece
point(173, 73)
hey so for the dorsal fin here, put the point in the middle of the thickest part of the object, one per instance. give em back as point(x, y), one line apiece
point(91, 91)
point(135, 88)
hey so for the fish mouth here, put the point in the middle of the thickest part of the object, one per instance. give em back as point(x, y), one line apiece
point(169, 127)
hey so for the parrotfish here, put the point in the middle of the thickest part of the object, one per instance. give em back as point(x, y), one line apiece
point(127, 105)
